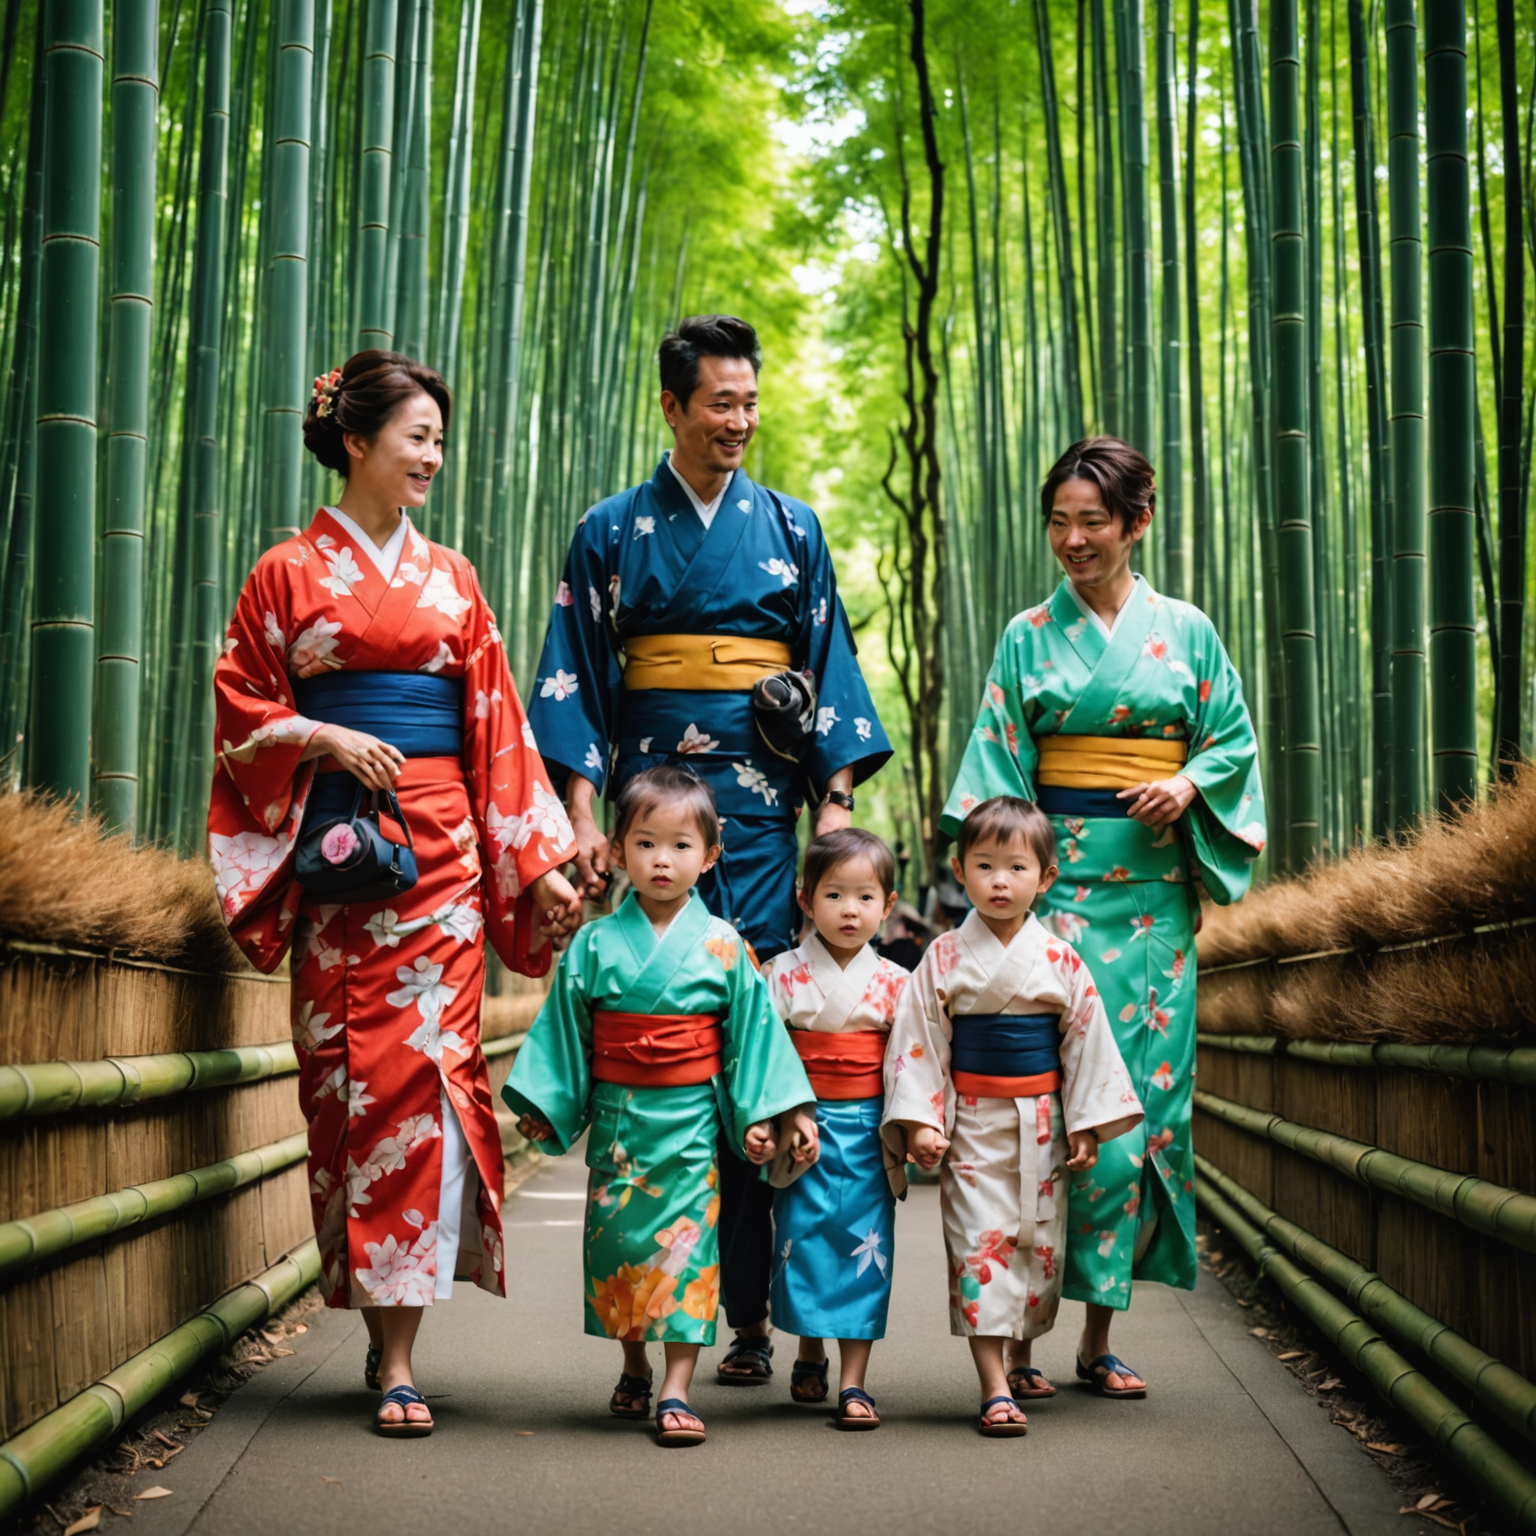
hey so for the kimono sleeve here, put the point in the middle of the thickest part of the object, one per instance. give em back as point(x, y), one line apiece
point(1225, 825)
point(519, 822)
point(552, 1075)
point(916, 1067)
point(848, 730)
point(579, 678)
point(1000, 757)
point(1096, 1091)
point(763, 1073)
point(260, 781)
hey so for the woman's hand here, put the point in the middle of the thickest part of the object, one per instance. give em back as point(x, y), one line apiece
point(926, 1146)
point(303, 662)
point(591, 841)
point(761, 1141)
point(374, 762)
point(802, 1139)
point(556, 907)
point(535, 1128)
point(1160, 803)
point(1085, 1150)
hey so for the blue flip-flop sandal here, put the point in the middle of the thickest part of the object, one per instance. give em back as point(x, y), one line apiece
point(1098, 1371)
point(1002, 1429)
point(666, 1436)
point(407, 1429)
point(808, 1382)
point(846, 1420)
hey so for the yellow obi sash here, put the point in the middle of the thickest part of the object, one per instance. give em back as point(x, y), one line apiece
point(1107, 762)
point(704, 663)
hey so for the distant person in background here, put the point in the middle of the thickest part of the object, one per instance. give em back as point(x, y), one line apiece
point(362, 658)
point(1117, 711)
point(697, 622)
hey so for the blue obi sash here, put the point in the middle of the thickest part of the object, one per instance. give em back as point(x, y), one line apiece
point(1057, 801)
point(420, 714)
point(1005, 1045)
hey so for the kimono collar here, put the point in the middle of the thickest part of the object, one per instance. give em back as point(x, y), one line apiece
point(1095, 619)
point(685, 927)
point(828, 974)
point(990, 950)
point(385, 559)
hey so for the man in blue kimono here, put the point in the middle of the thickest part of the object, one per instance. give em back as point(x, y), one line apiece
point(678, 595)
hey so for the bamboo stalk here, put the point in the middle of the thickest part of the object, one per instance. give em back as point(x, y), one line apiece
point(63, 604)
point(1505, 1064)
point(1171, 444)
point(1135, 160)
point(375, 326)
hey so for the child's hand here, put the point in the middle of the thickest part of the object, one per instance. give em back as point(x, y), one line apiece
point(926, 1146)
point(1085, 1150)
point(535, 1128)
point(761, 1141)
point(801, 1138)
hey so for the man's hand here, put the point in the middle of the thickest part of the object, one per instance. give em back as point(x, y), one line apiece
point(535, 1128)
point(1085, 1150)
point(926, 1146)
point(591, 840)
point(801, 1138)
point(556, 908)
point(1160, 803)
point(831, 818)
point(761, 1141)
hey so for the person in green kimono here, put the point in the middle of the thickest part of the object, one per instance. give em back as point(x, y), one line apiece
point(1118, 710)
point(657, 1031)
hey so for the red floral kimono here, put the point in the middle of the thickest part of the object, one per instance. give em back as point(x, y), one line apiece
point(386, 995)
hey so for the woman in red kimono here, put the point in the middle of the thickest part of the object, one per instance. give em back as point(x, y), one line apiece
point(360, 652)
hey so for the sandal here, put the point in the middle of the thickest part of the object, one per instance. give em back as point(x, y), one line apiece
point(677, 1407)
point(371, 1363)
point(1003, 1429)
point(808, 1382)
point(406, 1428)
point(638, 1390)
point(1097, 1372)
point(846, 1420)
point(1029, 1381)
point(753, 1350)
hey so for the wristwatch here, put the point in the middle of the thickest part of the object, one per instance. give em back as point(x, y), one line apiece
point(837, 797)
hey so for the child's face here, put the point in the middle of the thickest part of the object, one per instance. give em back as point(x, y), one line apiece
point(1001, 878)
point(664, 853)
point(849, 905)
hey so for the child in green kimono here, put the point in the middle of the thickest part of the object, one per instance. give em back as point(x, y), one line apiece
point(657, 1029)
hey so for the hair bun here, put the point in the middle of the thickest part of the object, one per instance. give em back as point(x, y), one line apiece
point(360, 397)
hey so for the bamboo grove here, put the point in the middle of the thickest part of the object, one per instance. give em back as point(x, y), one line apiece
point(1284, 252)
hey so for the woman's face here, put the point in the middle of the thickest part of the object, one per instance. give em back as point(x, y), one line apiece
point(1088, 540)
point(397, 466)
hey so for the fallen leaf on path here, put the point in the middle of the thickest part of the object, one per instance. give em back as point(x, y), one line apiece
point(1330, 1385)
point(1294, 1354)
point(1428, 1501)
point(276, 1353)
point(1243, 1303)
point(165, 1439)
point(1386, 1450)
point(87, 1522)
point(325, 1479)
point(1261, 1333)
point(301, 1328)
point(522, 1431)
point(189, 1399)
point(157, 1492)
point(122, 1514)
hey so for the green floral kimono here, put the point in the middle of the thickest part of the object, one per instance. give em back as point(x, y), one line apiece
point(652, 1248)
point(1125, 897)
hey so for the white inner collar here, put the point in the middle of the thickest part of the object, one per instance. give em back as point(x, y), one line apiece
point(705, 509)
point(385, 559)
point(1107, 630)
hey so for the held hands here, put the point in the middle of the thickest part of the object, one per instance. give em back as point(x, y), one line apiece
point(1160, 803)
point(557, 908)
point(1085, 1150)
point(926, 1146)
point(535, 1128)
point(374, 762)
point(802, 1139)
point(761, 1141)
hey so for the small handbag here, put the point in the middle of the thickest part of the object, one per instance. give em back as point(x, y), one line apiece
point(784, 710)
point(349, 859)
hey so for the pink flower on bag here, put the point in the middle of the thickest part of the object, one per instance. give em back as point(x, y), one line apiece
point(339, 844)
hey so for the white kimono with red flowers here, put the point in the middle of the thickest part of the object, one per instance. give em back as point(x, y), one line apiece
point(404, 1155)
point(1001, 1183)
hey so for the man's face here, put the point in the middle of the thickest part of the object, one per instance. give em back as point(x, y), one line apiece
point(716, 425)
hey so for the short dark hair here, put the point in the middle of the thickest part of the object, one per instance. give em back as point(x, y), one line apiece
point(1006, 817)
point(703, 336)
point(1125, 478)
point(373, 386)
point(678, 789)
point(825, 854)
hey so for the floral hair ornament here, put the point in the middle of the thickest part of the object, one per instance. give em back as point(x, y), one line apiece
point(325, 392)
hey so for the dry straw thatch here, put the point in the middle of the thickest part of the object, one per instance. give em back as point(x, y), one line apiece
point(63, 881)
point(1451, 875)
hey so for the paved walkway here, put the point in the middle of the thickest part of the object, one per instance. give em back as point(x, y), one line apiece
point(1228, 1441)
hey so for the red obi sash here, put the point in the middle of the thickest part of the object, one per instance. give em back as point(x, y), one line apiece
point(976, 1085)
point(656, 1050)
point(843, 1066)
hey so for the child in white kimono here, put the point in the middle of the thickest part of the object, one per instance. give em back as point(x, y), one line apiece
point(1002, 1066)
point(834, 1218)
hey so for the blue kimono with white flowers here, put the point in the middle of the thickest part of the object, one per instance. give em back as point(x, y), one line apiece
point(643, 563)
